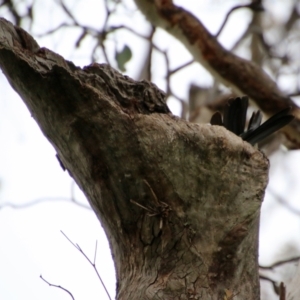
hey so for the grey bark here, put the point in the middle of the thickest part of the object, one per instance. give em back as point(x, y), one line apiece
point(179, 202)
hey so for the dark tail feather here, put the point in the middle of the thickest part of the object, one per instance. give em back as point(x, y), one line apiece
point(216, 119)
point(254, 123)
point(255, 120)
point(270, 126)
point(235, 119)
point(235, 115)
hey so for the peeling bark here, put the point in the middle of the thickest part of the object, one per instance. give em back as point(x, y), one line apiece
point(179, 202)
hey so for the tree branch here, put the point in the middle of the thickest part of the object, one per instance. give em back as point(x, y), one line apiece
point(242, 75)
point(58, 286)
point(92, 263)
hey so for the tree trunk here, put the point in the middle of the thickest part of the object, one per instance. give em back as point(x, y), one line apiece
point(179, 202)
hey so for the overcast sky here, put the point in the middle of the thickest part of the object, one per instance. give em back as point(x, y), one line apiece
point(30, 238)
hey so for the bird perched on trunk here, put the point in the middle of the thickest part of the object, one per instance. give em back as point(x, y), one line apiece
point(234, 119)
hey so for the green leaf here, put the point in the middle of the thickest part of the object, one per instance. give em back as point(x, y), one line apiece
point(123, 57)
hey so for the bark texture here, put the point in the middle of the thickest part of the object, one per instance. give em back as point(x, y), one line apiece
point(179, 202)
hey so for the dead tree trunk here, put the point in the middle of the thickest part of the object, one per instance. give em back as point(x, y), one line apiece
point(179, 202)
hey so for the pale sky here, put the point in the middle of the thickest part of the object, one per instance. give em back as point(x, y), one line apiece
point(31, 241)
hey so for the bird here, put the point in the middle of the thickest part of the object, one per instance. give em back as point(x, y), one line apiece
point(234, 119)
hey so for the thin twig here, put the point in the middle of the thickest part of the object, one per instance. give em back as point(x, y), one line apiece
point(227, 17)
point(68, 12)
point(40, 201)
point(279, 263)
point(267, 279)
point(93, 264)
point(284, 203)
point(273, 282)
point(152, 192)
point(58, 286)
point(169, 91)
point(255, 5)
point(294, 94)
point(181, 67)
point(95, 252)
point(141, 206)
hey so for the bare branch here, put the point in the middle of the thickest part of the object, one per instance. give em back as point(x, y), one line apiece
point(273, 282)
point(255, 5)
point(284, 202)
point(92, 263)
point(280, 263)
point(294, 94)
point(72, 199)
point(58, 286)
point(43, 200)
point(171, 72)
point(95, 252)
point(69, 14)
point(242, 75)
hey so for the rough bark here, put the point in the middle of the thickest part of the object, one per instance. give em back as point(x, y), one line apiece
point(244, 76)
point(179, 202)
